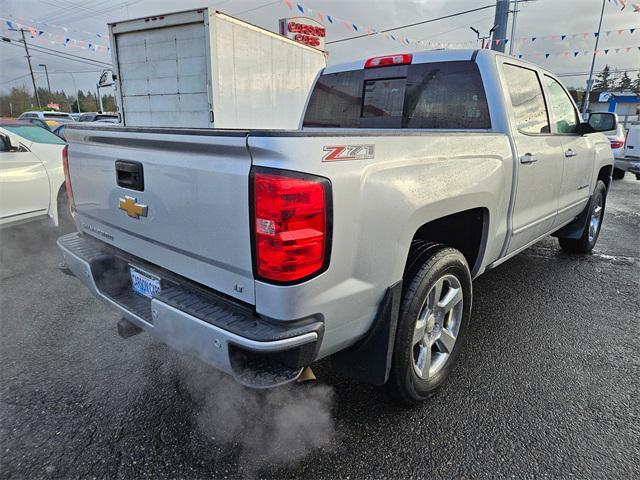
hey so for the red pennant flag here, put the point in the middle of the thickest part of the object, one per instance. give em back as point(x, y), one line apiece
point(346, 25)
point(288, 4)
point(320, 17)
point(498, 40)
point(585, 35)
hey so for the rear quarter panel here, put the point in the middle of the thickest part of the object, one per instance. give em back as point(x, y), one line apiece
point(378, 205)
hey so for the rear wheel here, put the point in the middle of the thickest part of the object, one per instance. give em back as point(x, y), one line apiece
point(589, 237)
point(434, 313)
point(618, 174)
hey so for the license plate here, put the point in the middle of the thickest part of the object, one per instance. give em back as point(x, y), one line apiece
point(144, 283)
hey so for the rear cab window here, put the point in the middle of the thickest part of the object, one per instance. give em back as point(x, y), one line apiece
point(438, 95)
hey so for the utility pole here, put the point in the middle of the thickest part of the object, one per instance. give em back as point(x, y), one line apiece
point(513, 27)
point(585, 101)
point(46, 72)
point(500, 22)
point(33, 79)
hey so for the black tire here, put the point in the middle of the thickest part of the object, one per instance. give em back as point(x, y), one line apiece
point(65, 220)
point(589, 237)
point(618, 174)
point(428, 264)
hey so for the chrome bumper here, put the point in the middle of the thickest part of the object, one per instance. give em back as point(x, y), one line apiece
point(252, 362)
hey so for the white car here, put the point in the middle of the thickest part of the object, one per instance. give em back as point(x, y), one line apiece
point(616, 138)
point(31, 174)
point(629, 161)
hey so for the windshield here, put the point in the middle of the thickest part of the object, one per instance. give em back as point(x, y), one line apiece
point(35, 134)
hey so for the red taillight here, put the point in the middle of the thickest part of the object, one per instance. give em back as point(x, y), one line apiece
point(401, 59)
point(290, 221)
point(67, 178)
point(617, 144)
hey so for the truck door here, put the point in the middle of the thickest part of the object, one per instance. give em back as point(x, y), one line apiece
point(539, 157)
point(578, 156)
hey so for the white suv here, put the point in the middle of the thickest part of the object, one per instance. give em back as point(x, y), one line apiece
point(46, 116)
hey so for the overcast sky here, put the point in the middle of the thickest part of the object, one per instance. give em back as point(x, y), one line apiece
point(537, 18)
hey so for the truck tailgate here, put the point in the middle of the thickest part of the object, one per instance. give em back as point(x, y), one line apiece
point(195, 189)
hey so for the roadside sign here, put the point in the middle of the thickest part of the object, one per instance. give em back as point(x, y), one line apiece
point(304, 30)
point(55, 106)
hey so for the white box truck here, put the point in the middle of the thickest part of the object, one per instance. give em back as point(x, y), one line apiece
point(204, 69)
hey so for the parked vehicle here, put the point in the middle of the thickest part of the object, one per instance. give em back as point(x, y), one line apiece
point(60, 129)
point(75, 116)
point(31, 176)
point(99, 117)
point(630, 160)
point(356, 237)
point(202, 68)
point(49, 124)
point(616, 138)
point(46, 115)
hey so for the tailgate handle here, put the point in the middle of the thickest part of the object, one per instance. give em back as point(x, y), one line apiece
point(130, 175)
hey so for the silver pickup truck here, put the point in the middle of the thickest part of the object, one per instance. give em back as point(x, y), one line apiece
point(356, 236)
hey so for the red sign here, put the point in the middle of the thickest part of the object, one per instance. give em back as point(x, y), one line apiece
point(304, 30)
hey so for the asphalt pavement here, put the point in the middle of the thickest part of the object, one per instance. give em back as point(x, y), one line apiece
point(547, 384)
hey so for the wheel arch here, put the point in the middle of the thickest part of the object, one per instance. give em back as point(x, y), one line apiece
point(466, 231)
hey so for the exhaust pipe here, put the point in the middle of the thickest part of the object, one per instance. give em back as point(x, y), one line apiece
point(307, 376)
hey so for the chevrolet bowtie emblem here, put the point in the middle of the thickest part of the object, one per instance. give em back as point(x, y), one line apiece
point(132, 207)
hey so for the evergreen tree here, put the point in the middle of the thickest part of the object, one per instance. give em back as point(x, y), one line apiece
point(625, 83)
point(635, 87)
point(603, 81)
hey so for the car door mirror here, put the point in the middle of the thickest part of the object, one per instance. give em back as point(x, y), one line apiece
point(602, 122)
point(5, 144)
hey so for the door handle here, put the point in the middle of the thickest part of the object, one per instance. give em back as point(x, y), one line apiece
point(570, 153)
point(528, 158)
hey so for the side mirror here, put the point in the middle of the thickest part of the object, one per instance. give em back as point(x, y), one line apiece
point(602, 122)
point(5, 144)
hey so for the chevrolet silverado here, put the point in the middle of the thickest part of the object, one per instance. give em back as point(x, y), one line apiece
point(356, 236)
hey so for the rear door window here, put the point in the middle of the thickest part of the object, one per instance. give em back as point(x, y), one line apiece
point(527, 99)
point(440, 95)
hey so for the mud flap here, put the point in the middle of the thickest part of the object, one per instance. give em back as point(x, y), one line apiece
point(369, 361)
point(575, 229)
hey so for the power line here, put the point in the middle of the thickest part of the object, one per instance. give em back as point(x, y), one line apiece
point(255, 8)
point(14, 79)
point(582, 74)
point(56, 53)
point(431, 20)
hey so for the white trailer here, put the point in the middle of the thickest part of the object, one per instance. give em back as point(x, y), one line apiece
point(204, 69)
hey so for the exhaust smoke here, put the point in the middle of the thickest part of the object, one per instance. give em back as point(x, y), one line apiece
point(273, 427)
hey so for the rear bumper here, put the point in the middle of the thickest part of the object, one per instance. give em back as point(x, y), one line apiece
point(195, 320)
point(628, 164)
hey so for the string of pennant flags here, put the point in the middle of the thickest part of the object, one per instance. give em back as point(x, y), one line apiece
point(576, 53)
point(44, 37)
point(624, 3)
point(351, 26)
point(37, 23)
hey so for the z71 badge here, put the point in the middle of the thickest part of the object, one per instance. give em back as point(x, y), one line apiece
point(339, 153)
